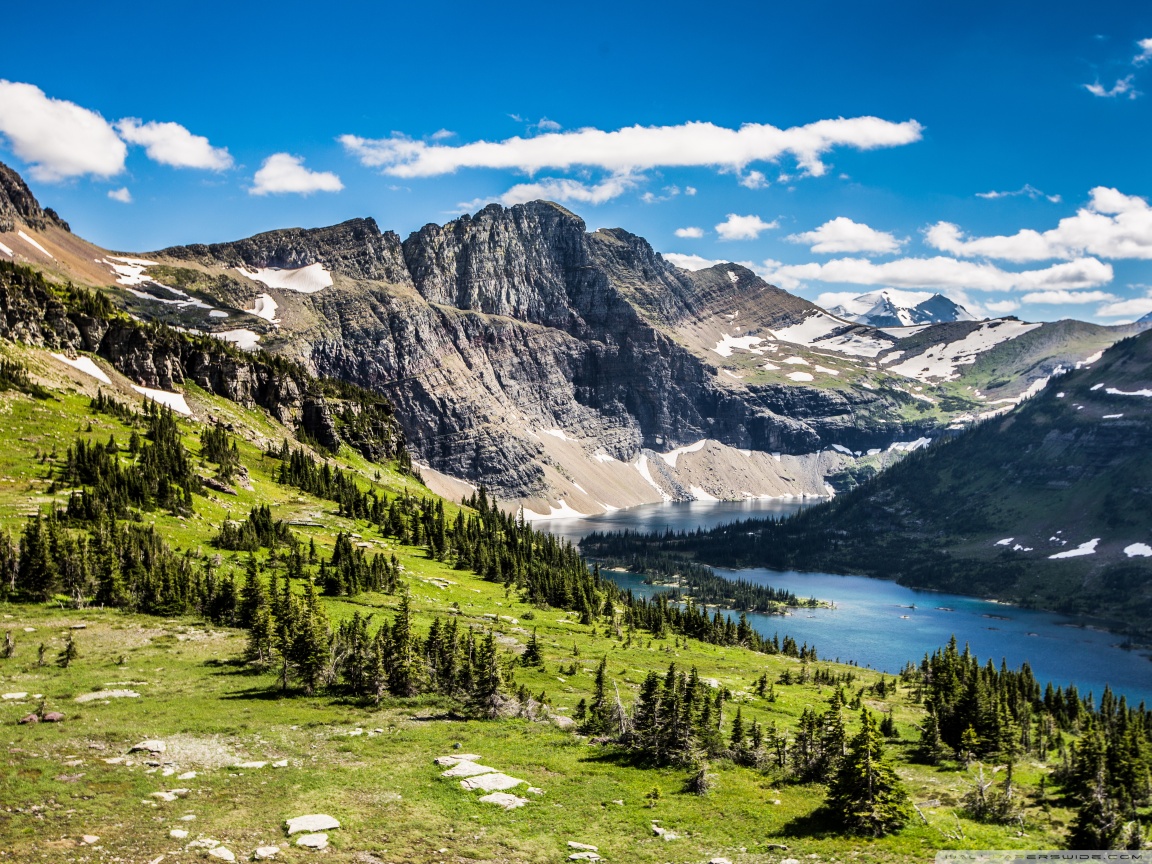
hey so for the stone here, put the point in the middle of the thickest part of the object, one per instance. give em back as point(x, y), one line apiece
point(250, 765)
point(188, 817)
point(719, 861)
point(664, 833)
point(90, 839)
point(152, 745)
point(587, 847)
point(535, 791)
point(503, 799)
point(223, 853)
point(107, 694)
point(467, 768)
point(583, 856)
point(204, 843)
point(313, 841)
point(187, 775)
point(619, 802)
point(178, 834)
point(165, 796)
point(263, 853)
point(14, 696)
point(491, 782)
point(448, 761)
point(311, 823)
point(280, 763)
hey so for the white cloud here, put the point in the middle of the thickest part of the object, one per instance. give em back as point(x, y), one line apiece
point(1145, 46)
point(743, 227)
point(1002, 307)
point(670, 192)
point(1112, 225)
point(691, 262)
point(691, 232)
point(283, 173)
point(1058, 297)
point(1130, 307)
point(562, 189)
point(123, 195)
point(1122, 87)
point(940, 274)
point(689, 190)
point(546, 125)
point(1027, 189)
point(172, 144)
point(636, 148)
point(58, 139)
point(441, 134)
point(843, 235)
point(754, 180)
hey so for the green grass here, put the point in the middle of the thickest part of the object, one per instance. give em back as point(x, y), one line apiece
point(384, 787)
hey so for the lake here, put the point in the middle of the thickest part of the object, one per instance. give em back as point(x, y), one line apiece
point(873, 623)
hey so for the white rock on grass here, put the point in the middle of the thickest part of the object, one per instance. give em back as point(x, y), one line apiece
point(313, 841)
point(14, 696)
point(204, 843)
point(586, 847)
point(280, 763)
point(491, 782)
point(250, 765)
point(311, 823)
point(108, 694)
point(583, 856)
point(223, 853)
point(165, 796)
point(178, 834)
point(664, 833)
point(467, 769)
point(187, 775)
point(90, 839)
point(503, 799)
point(150, 746)
point(263, 853)
point(446, 761)
point(720, 861)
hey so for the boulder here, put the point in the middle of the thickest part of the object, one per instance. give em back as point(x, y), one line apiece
point(586, 847)
point(263, 853)
point(503, 799)
point(313, 841)
point(467, 768)
point(491, 782)
point(150, 746)
point(311, 823)
point(584, 856)
point(90, 839)
point(223, 853)
point(178, 834)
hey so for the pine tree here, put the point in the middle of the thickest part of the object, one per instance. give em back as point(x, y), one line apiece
point(866, 795)
point(531, 656)
point(403, 677)
point(68, 653)
point(1097, 824)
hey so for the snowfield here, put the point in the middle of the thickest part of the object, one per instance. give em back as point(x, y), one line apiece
point(672, 455)
point(175, 401)
point(242, 338)
point(304, 280)
point(265, 307)
point(1087, 548)
point(1138, 550)
point(941, 362)
point(31, 241)
point(728, 344)
point(1112, 391)
point(85, 365)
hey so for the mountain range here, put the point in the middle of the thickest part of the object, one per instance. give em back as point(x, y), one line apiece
point(891, 308)
point(567, 370)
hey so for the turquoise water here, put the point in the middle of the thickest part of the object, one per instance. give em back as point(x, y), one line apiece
point(874, 625)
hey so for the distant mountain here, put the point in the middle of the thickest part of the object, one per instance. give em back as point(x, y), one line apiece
point(1146, 319)
point(889, 308)
point(1049, 506)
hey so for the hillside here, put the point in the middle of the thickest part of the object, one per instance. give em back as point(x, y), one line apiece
point(1047, 506)
point(281, 628)
point(570, 370)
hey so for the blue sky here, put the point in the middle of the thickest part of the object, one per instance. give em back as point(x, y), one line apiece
point(998, 155)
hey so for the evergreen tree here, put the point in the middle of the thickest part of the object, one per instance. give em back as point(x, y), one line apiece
point(866, 795)
point(531, 656)
point(68, 653)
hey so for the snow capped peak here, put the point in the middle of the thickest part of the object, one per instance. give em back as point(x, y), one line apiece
point(892, 308)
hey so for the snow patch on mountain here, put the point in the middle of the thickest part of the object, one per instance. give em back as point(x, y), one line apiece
point(304, 280)
point(941, 362)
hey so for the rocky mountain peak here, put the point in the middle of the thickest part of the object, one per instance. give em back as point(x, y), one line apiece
point(510, 261)
point(18, 204)
point(356, 249)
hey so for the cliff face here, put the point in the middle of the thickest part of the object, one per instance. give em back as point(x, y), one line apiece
point(18, 204)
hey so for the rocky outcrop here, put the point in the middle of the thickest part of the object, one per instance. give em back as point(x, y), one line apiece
point(18, 204)
point(356, 249)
